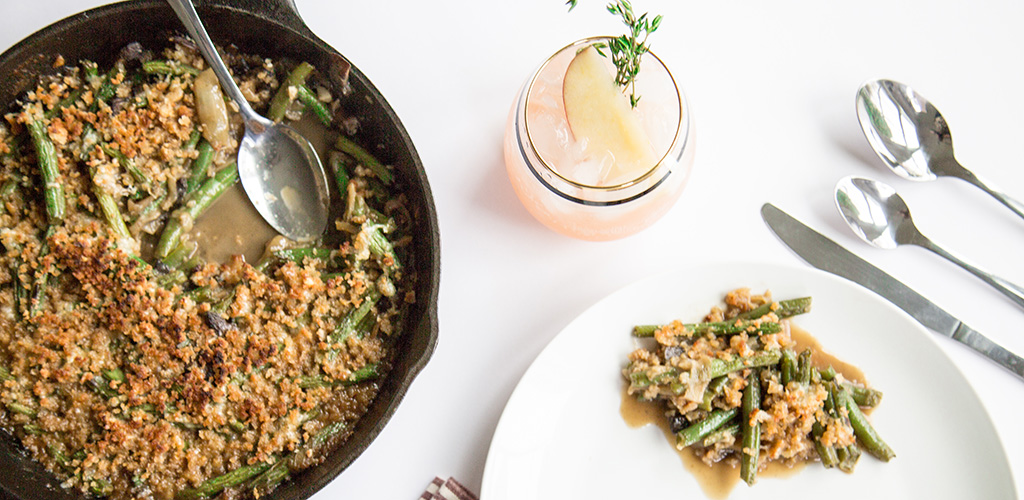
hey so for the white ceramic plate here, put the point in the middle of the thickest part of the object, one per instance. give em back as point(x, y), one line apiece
point(562, 436)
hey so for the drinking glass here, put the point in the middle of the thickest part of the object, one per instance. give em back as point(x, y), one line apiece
point(562, 182)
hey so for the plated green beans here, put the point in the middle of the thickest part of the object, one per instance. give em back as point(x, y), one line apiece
point(738, 388)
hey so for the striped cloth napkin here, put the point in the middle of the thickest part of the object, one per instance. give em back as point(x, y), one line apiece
point(439, 489)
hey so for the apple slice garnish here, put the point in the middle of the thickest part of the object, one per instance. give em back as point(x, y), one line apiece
point(598, 112)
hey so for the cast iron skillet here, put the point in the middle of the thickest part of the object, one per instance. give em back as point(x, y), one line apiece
point(271, 28)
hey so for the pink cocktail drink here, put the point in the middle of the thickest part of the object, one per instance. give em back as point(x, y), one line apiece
point(581, 189)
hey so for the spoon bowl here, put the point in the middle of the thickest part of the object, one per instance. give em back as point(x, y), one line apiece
point(293, 198)
point(874, 211)
point(278, 167)
point(879, 216)
point(912, 138)
point(905, 130)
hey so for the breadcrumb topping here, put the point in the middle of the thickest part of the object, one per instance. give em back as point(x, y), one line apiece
point(126, 382)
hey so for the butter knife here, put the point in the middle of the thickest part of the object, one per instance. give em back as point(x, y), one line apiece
point(827, 255)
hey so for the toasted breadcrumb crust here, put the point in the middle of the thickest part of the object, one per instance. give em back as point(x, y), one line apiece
point(139, 389)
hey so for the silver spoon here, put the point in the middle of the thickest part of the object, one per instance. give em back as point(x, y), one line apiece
point(880, 217)
point(278, 167)
point(912, 138)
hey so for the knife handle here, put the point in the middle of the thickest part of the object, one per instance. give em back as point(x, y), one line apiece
point(991, 350)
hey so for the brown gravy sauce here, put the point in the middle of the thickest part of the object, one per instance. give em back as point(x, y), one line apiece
point(719, 480)
point(231, 226)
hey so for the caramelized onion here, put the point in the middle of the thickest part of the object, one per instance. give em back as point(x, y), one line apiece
point(213, 113)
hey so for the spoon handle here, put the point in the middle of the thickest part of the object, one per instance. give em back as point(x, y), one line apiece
point(1012, 204)
point(186, 12)
point(1014, 292)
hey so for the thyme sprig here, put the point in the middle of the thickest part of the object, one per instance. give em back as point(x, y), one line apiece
point(627, 50)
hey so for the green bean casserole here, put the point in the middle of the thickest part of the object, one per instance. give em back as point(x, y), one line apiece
point(132, 364)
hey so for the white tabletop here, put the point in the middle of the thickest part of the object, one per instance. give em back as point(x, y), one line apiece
point(772, 86)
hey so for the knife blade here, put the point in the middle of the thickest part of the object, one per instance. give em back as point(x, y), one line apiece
point(827, 255)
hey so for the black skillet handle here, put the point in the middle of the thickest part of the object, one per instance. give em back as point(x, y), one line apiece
point(282, 11)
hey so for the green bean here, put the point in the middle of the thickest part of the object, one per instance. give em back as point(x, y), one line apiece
point(200, 167)
point(866, 434)
point(715, 387)
point(175, 277)
point(721, 434)
point(785, 309)
point(168, 68)
point(750, 428)
point(102, 387)
point(804, 367)
point(699, 430)
point(827, 454)
point(788, 366)
point(53, 190)
point(42, 282)
point(194, 206)
point(347, 326)
point(109, 208)
point(214, 486)
point(193, 262)
point(299, 255)
point(32, 429)
point(100, 487)
point(106, 89)
point(114, 374)
point(90, 140)
point(310, 101)
point(641, 380)
point(128, 164)
point(222, 306)
point(711, 370)
point(364, 158)
point(152, 205)
point(67, 102)
point(193, 139)
point(828, 373)
point(273, 476)
point(296, 255)
point(283, 468)
point(181, 253)
point(645, 330)
point(21, 300)
point(368, 372)
point(341, 176)
point(296, 78)
point(58, 456)
point(717, 328)
point(22, 409)
point(139, 262)
point(864, 396)
point(6, 191)
point(848, 457)
point(89, 70)
point(380, 247)
point(717, 367)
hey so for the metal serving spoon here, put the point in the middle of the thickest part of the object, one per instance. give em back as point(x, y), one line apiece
point(880, 217)
point(278, 167)
point(912, 138)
